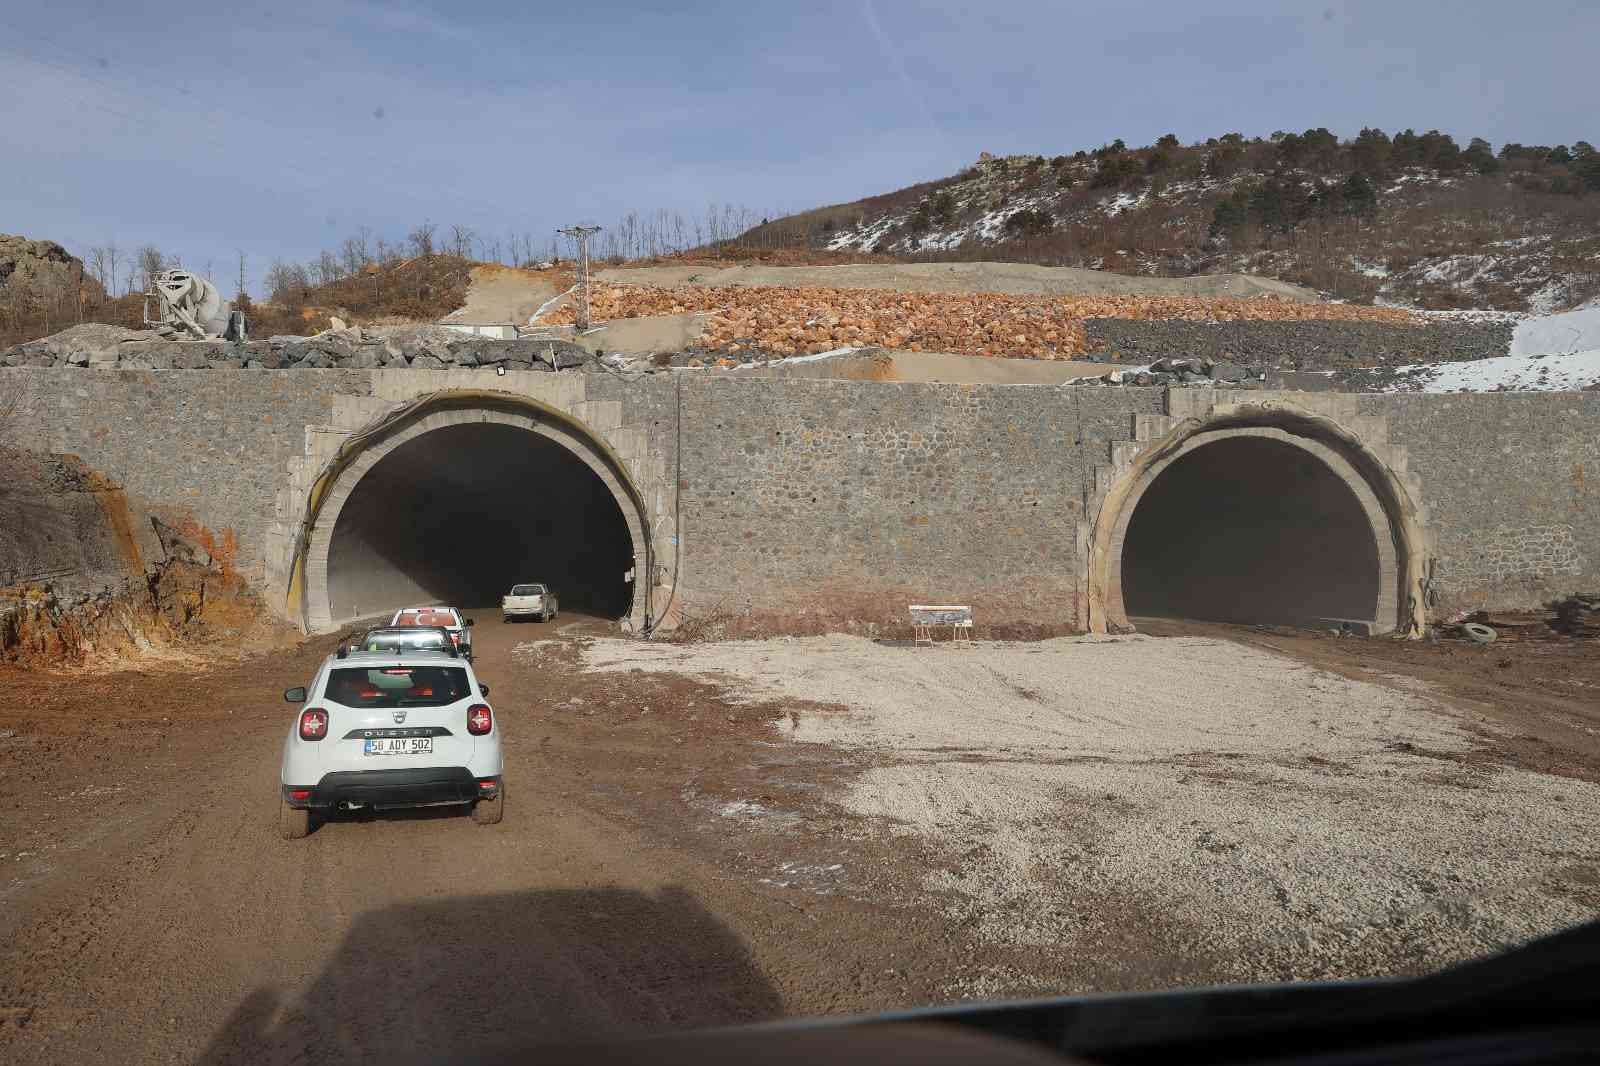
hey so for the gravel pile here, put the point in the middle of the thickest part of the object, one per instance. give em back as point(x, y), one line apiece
point(1197, 799)
point(1298, 345)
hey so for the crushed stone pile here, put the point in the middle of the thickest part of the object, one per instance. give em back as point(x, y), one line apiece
point(790, 321)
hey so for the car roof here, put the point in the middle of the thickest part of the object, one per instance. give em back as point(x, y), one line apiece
point(411, 656)
point(408, 630)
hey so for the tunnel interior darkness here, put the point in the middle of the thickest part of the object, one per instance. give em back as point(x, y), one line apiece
point(1249, 529)
point(460, 514)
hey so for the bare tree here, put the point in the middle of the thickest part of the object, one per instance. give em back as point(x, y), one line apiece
point(113, 257)
point(97, 264)
point(461, 238)
point(421, 239)
point(287, 283)
point(241, 295)
point(350, 254)
point(149, 262)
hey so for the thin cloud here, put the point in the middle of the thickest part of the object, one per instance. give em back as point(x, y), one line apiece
point(869, 15)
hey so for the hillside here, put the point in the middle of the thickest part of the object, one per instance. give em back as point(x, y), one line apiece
point(1414, 220)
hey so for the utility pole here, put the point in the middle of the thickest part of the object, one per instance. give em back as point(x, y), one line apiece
point(581, 235)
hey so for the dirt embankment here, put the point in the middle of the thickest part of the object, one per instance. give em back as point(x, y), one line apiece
point(82, 579)
point(1016, 279)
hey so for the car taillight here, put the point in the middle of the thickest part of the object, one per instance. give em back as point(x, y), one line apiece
point(479, 719)
point(313, 723)
point(455, 638)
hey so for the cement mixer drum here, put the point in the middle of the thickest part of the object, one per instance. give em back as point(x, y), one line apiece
point(189, 303)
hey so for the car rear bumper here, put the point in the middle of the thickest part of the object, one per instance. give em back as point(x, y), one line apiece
point(512, 612)
point(422, 786)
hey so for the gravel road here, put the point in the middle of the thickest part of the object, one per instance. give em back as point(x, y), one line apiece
point(1274, 820)
point(713, 834)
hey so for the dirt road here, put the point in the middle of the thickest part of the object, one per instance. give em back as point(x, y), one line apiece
point(676, 852)
point(151, 914)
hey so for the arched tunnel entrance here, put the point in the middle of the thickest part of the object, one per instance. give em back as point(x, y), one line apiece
point(460, 513)
point(1251, 529)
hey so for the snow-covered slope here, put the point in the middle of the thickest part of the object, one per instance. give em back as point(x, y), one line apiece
point(1433, 239)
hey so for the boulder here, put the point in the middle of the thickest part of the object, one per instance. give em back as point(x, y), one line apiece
point(194, 356)
point(426, 361)
point(366, 358)
point(80, 345)
point(1227, 372)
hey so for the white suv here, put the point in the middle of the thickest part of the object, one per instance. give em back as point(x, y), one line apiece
point(447, 618)
point(390, 729)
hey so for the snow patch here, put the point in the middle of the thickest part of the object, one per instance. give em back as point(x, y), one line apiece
point(1573, 331)
point(1506, 373)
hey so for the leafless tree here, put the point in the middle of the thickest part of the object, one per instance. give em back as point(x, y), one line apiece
point(97, 264)
point(421, 239)
point(352, 255)
point(287, 283)
point(150, 262)
point(461, 238)
point(113, 257)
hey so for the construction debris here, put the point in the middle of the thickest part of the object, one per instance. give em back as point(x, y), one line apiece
point(789, 321)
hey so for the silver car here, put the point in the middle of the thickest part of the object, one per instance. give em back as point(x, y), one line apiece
point(530, 601)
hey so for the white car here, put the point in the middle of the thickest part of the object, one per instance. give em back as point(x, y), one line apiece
point(390, 729)
point(530, 601)
point(447, 618)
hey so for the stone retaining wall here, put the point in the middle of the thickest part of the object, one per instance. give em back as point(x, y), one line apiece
point(804, 504)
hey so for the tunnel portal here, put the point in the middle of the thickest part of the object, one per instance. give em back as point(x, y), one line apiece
point(459, 514)
point(1252, 529)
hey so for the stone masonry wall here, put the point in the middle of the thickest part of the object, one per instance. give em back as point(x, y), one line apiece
point(208, 446)
point(1512, 485)
point(809, 504)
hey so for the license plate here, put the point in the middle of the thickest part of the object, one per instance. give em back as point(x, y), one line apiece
point(399, 746)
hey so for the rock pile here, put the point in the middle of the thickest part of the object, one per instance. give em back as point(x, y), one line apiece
point(421, 347)
point(1301, 345)
point(1204, 371)
point(790, 321)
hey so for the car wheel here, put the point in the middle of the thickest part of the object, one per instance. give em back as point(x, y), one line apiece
point(294, 823)
point(489, 812)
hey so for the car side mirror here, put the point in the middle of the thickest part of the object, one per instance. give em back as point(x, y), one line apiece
point(294, 695)
point(470, 622)
point(483, 690)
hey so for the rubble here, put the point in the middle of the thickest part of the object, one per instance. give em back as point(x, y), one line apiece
point(790, 321)
point(424, 347)
point(1168, 371)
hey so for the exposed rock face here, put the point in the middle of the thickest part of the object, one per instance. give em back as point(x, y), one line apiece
point(39, 269)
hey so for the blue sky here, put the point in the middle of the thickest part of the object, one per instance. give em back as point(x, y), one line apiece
point(279, 128)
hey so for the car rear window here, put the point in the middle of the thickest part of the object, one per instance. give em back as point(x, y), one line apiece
point(427, 618)
point(397, 686)
point(527, 590)
point(403, 638)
